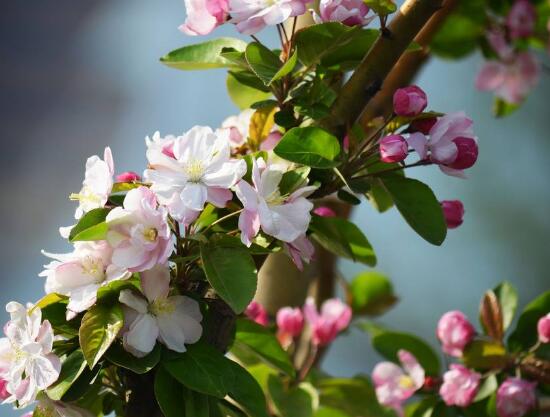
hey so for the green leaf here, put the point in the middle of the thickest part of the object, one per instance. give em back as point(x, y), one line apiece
point(242, 95)
point(348, 197)
point(201, 368)
point(204, 55)
point(457, 37)
point(342, 238)
point(418, 205)
point(120, 357)
point(484, 354)
point(508, 299)
point(109, 293)
point(311, 146)
point(119, 187)
point(380, 199)
point(196, 404)
point(264, 344)
point(265, 64)
point(487, 387)
point(502, 108)
point(50, 299)
point(232, 273)
point(381, 7)
point(71, 369)
point(55, 313)
point(388, 343)
point(296, 401)
point(287, 67)
point(247, 392)
point(525, 335)
point(371, 293)
point(330, 412)
point(91, 226)
point(99, 328)
point(293, 179)
point(169, 393)
point(83, 385)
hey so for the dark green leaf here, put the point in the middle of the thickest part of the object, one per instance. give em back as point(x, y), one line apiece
point(120, 357)
point(342, 238)
point(56, 314)
point(287, 67)
point(309, 146)
point(525, 335)
point(204, 55)
point(196, 404)
point(371, 293)
point(348, 197)
point(247, 393)
point(417, 204)
point(293, 179)
point(265, 64)
point(99, 328)
point(169, 394)
point(91, 226)
point(71, 369)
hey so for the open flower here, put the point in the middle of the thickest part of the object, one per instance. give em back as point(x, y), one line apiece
point(139, 232)
point(325, 325)
point(172, 320)
point(251, 16)
point(349, 12)
point(516, 397)
point(394, 384)
point(79, 274)
point(203, 16)
point(460, 386)
point(97, 184)
point(27, 363)
point(300, 250)
point(285, 217)
point(201, 171)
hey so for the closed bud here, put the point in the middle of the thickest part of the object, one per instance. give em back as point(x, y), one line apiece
point(467, 152)
point(422, 125)
point(515, 397)
point(256, 312)
point(453, 210)
point(522, 19)
point(543, 328)
point(393, 148)
point(409, 101)
point(454, 331)
point(290, 321)
point(129, 176)
point(324, 211)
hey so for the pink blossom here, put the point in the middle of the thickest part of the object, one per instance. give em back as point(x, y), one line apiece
point(300, 250)
point(290, 321)
point(422, 125)
point(283, 217)
point(129, 176)
point(515, 397)
point(460, 386)
point(256, 312)
point(453, 211)
point(393, 148)
point(139, 232)
point(334, 317)
point(467, 152)
point(251, 16)
point(238, 127)
point(345, 143)
point(324, 211)
point(521, 19)
point(203, 16)
point(349, 12)
point(454, 331)
point(510, 80)
point(409, 101)
point(543, 328)
point(271, 141)
point(4, 394)
point(394, 384)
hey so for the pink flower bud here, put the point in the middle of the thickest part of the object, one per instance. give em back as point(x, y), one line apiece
point(324, 211)
point(460, 386)
point(349, 12)
point(256, 312)
point(453, 210)
point(454, 331)
point(515, 397)
point(290, 321)
point(393, 148)
point(543, 328)
point(422, 125)
point(409, 101)
point(467, 152)
point(345, 144)
point(325, 325)
point(129, 176)
point(522, 19)
point(4, 394)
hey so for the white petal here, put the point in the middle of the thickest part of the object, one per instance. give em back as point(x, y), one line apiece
point(155, 283)
point(141, 337)
point(131, 300)
point(194, 196)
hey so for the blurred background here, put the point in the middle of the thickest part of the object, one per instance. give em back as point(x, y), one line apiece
point(78, 76)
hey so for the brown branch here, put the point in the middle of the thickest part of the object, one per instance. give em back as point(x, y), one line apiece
point(369, 76)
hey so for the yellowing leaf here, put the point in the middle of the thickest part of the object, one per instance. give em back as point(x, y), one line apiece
point(261, 123)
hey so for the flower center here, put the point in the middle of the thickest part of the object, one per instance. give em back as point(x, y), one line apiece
point(150, 234)
point(86, 195)
point(275, 198)
point(161, 306)
point(406, 382)
point(94, 267)
point(194, 170)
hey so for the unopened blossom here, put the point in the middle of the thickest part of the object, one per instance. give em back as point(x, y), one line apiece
point(4, 394)
point(97, 184)
point(290, 321)
point(203, 16)
point(325, 325)
point(324, 211)
point(251, 16)
point(80, 273)
point(453, 211)
point(460, 386)
point(128, 176)
point(27, 363)
point(395, 384)
point(543, 328)
point(300, 250)
point(285, 217)
point(139, 232)
point(393, 148)
point(516, 397)
point(257, 313)
point(521, 19)
point(454, 331)
point(423, 125)
point(201, 171)
point(349, 12)
point(173, 320)
point(409, 101)
point(512, 79)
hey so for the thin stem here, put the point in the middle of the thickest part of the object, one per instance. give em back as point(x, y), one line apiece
point(221, 219)
point(294, 23)
point(309, 362)
point(284, 33)
point(399, 168)
point(255, 38)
